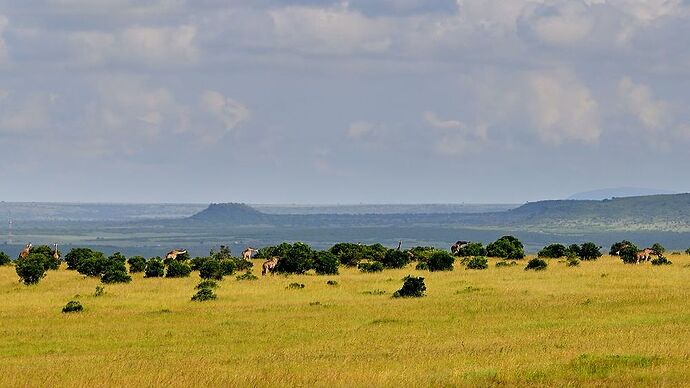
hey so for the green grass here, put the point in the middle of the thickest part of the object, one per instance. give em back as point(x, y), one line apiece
point(501, 326)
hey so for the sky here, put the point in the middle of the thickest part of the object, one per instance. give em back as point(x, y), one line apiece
point(325, 101)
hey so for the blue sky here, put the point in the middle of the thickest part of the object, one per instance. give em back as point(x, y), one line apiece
point(404, 101)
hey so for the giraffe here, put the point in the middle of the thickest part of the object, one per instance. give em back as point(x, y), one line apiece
point(172, 255)
point(399, 245)
point(644, 255)
point(25, 252)
point(269, 266)
point(247, 253)
point(457, 246)
point(56, 253)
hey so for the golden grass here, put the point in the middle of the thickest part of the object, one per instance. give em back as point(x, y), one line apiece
point(603, 323)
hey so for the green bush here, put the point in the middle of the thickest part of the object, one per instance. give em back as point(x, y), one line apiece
point(507, 247)
point(178, 269)
point(373, 266)
point(440, 261)
point(617, 247)
point(211, 269)
point(472, 249)
point(503, 264)
point(553, 251)
point(4, 258)
point(203, 295)
point(197, 262)
point(395, 259)
point(76, 255)
point(247, 276)
point(49, 261)
point(73, 306)
point(297, 258)
point(536, 265)
point(115, 275)
point(573, 250)
point(572, 261)
point(413, 287)
point(31, 269)
point(422, 266)
point(207, 284)
point(332, 283)
point(295, 286)
point(658, 249)
point(119, 257)
point(326, 263)
point(629, 254)
point(96, 264)
point(478, 262)
point(589, 251)
point(136, 264)
point(100, 290)
point(421, 253)
point(687, 251)
point(661, 260)
point(154, 268)
point(351, 254)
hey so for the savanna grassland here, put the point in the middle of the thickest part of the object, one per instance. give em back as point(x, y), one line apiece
point(602, 323)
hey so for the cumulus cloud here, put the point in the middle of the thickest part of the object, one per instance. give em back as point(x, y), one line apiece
point(562, 108)
point(638, 100)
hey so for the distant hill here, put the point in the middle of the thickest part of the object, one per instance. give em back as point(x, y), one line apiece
point(618, 192)
point(238, 213)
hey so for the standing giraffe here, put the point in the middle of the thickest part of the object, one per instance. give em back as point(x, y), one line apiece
point(172, 255)
point(247, 253)
point(399, 245)
point(269, 266)
point(25, 252)
point(56, 253)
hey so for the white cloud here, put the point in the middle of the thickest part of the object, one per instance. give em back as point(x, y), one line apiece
point(638, 100)
point(569, 23)
point(229, 111)
point(562, 109)
point(432, 119)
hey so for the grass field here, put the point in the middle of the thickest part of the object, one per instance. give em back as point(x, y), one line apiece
point(603, 323)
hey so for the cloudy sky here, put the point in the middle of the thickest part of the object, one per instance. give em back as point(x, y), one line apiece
point(325, 101)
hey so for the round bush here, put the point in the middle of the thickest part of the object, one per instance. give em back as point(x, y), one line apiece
point(553, 251)
point(589, 251)
point(478, 262)
point(96, 264)
point(178, 269)
point(472, 249)
point(506, 247)
point(619, 246)
point(136, 264)
point(395, 259)
point(203, 295)
point(413, 287)
point(211, 269)
point(227, 267)
point(297, 258)
point(31, 269)
point(115, 275)
point(503, 264)
point(78, 254)
point(73, 306)
point(629, 254)
point(4, 259)
point(661, 260)
point(49, 261)
point(154, 268)
point(440, 261)
point(374, 266)
point(536, 265)
point(326, 263)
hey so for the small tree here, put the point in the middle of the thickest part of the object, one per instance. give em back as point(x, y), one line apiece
point(297, 258)
point(395, 259)
point(31, 269)
point(617, 247)
point(178, 269)
point(154, 268)
point(136, 264)
point(413, 287)
point(553, 251)
point(440, 261)
point(73, 306)
point(4, 259)
point(211, 269)
point(629, 254)
point(472, 249)
point(507, 247)
point(326, 263)
point(536, 265)
point(478, 262)
point(589, 251)
point(370, 267)
point(78, 254)
point(115, 274)
point(50, 262)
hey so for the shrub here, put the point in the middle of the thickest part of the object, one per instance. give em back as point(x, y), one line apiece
point(617, 247)
point(119, 257)
point(197, 262)
point(211, 269)
point(136, 264)
point(76, 255)
point(178, 269)
point(478, 262)
point(31, 269)
point(96, 264)
point(573, 250)
point(440, 261)
point(472, 249)
point(326, 263)
point(247, 276)
point(100, 290)
point(203, 295)
point(553, 251)
point(207, 284)
point(658, 249)
point(4, 258)
point(422, 266)
point(73, 306)
point(687, 251)
point(295, 286)
point(413, 287)
point(395, 259)
point(536, 265)
point(507, 247)
point(661, 260)
point(421, 253)
point(629, 254)
point(154, 268)
point(589, 251)
point(351, 254)
point(115, 275)
point(49, 262)
point(298, 258)
point(373, 266)
point(332, 283)
point(572, 261)
point(502, 264)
